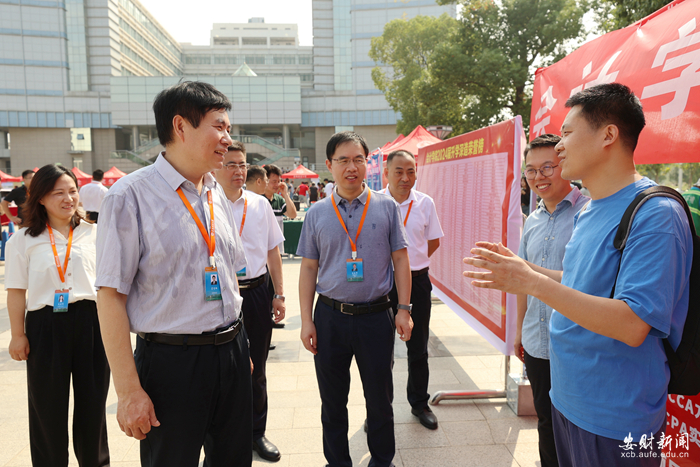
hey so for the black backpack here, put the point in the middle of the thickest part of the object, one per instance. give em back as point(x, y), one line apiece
point(684, 362)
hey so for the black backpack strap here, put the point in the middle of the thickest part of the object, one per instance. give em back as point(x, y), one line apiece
point(623, 230)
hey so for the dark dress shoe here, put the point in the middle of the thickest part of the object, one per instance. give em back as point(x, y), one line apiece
point(266, 449)
point(273, 346)
point(365, 425)
point(277, 325)
point(427, 417)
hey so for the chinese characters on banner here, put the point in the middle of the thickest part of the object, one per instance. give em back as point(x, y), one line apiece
point(659, 59)
point(475, 182)
point(683, 429)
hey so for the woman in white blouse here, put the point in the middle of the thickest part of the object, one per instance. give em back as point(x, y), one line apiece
point(50, 273)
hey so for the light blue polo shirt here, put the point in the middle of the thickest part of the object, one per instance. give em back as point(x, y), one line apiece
point(543, 242)
point(324, 239)
point(600, 384)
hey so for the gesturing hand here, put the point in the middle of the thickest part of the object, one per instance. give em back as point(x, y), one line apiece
point(506, 271)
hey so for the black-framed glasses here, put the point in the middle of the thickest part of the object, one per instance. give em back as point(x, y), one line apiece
point(546, 171)
point(344, 161)
point(232, 167)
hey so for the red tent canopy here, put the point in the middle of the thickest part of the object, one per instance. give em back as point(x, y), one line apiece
point(8, 178)
point(416, 139)
point(83, 178)
point(300, 172)
point(112, 175)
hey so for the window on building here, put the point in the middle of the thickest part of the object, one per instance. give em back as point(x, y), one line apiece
point(306, 59)
point(306, 78)
point(284, 60)
point(255, 59)
point(225, 60)
point(198, 59)
point(255, 41)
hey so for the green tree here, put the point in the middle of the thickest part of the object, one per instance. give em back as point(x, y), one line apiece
point(617, 14)
point(656, 172)
point(474, 71)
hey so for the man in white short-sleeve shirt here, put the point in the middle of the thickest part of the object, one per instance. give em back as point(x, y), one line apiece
point(92, 194)
point(424, 232)
point(261, 236)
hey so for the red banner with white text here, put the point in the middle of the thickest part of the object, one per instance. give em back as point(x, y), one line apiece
point(659, 59)
point(475, 181)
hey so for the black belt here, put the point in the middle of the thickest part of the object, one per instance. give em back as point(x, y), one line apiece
point(420, 272)
point(378, 305)
point(251, 283)
point(222, 337)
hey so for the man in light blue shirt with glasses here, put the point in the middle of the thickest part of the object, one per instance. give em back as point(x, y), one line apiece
point(545, 235)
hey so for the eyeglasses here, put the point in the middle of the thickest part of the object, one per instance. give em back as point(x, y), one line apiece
point(344, 161)
point(546, 171)
point(232, 167)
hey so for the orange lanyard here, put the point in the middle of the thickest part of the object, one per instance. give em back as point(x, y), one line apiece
point(408, 213)
point(210, 238)
point(61, 271)
point(245, 210)
point(359, 228)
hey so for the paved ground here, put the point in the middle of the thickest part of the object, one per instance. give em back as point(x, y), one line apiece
point(479, 433)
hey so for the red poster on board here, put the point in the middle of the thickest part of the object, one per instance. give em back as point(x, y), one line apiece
point(682, 438)
point(474, 180)
point(659, 59)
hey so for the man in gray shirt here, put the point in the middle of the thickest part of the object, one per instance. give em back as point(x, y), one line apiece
point(167, 256)
point(348, 248)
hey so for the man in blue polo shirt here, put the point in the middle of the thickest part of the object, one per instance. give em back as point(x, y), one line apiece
point(609, 368)
point(348, 244)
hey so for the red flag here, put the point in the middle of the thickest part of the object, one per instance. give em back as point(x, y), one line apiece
point(659, 59)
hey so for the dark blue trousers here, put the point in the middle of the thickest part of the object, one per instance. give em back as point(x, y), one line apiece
point(577, 447)
point(370, 339)
point(417, 346)
point(256, 308)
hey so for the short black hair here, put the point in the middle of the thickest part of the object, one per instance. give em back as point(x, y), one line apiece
point(189, 99)
point(612, 104)
point(27, 172)
point(399, 152)
point(547, 140)
point(255, 172)
point(237, 146)
point(272, 169)
point(344, 137)
point(98, 175)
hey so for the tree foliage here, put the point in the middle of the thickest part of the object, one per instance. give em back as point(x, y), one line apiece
point(617, 14)
point(475, 71)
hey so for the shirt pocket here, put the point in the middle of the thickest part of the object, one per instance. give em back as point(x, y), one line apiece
point(84, 256)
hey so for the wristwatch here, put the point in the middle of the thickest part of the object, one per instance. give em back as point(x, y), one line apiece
point(281, 297)
point(408, 307)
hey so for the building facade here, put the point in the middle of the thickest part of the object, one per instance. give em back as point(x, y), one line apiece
point(78, 78)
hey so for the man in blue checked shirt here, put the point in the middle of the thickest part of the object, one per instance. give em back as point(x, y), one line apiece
point(545, 235)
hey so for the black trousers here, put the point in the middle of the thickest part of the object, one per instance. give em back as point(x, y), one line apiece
point(202, 397)
point(417, 346)
point(370, 339)
point(540, 380)
point(65, 345)
point(257, 304)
